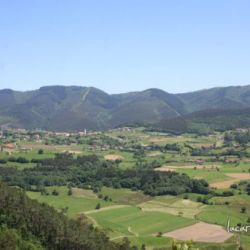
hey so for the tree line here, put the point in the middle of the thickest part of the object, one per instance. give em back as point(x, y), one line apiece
point(92, 172)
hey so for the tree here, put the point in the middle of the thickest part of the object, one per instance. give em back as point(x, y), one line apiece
point(28, 224)
point(98, 206)
point(55, 192)
point(40, 151)
point(243, 210)
point(159, 234)
point(8, 239)
point(70, 192)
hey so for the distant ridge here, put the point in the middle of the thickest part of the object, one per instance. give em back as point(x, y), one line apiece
point(76, 108)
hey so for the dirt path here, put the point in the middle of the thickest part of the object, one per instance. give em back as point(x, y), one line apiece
point(118, 237)
point(85, 94)
point(105, 209)
point(201, 232)
point(130, 231)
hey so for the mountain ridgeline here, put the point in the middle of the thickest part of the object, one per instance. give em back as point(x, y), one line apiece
point(77, 108)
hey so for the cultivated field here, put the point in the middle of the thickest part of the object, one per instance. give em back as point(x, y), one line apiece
point(201, 232)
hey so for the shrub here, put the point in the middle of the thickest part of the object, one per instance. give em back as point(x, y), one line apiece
point(40, 151)
point(98, 206)
point(55, 192)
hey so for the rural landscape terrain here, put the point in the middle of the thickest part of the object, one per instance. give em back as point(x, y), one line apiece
point(124, 125)
point(179, 183)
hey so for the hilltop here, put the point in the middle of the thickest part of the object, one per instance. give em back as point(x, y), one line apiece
point(76, 108)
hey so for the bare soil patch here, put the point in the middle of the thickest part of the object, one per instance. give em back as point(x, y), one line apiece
point(72, 151)
point(113, 157)
point(240, 176)
point(165, 169)
point(105, 209)
point(83, 193)
point(201, 232)
point(154, 154)
point(223, 184)
point(202, 145)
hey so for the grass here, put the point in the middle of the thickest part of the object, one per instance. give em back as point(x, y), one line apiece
point(166, 243)
point(173, 205)
point(151, 242)
point(133, 221)
point(220, 214)
point(125, 196)
point(209, 176)
point(74, 203)
point(29, 155)
point(245, 241)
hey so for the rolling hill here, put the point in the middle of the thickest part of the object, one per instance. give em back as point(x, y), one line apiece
point(77, 108)
point(233, 97)
point(206, 121)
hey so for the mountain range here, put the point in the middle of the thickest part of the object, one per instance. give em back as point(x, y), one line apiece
point(76, 108)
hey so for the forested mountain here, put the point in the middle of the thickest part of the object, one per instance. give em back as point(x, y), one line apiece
point(217, 98)
point(78, 108)
point(206, 121)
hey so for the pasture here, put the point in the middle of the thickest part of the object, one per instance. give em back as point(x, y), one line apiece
point(77, 203)
point(172, 205)
point(133, 221)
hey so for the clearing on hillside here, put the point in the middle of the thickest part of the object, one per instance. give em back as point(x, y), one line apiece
point(181, 207)
point(83, 193)
point(201, 232)
point(113, 157)
point(237, 177)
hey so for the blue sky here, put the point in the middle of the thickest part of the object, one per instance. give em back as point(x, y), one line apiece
point(124, 45)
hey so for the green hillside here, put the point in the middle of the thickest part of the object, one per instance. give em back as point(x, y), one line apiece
point(77, 108)
point(207, 121)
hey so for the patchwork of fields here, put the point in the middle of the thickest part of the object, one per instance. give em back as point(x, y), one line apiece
point(153, 221)
point(141, 218)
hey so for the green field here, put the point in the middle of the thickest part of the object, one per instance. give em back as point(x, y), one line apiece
point(76, 204)
point(173, 205)
point(133, 221)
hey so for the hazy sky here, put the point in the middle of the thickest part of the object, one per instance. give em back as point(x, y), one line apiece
point(124, 45)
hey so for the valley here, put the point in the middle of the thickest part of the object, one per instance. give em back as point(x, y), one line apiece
point(122, 208)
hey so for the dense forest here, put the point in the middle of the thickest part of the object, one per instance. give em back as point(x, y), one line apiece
point(26, 224)
point(62, 108)
point(92, 172)
point(205, 122)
